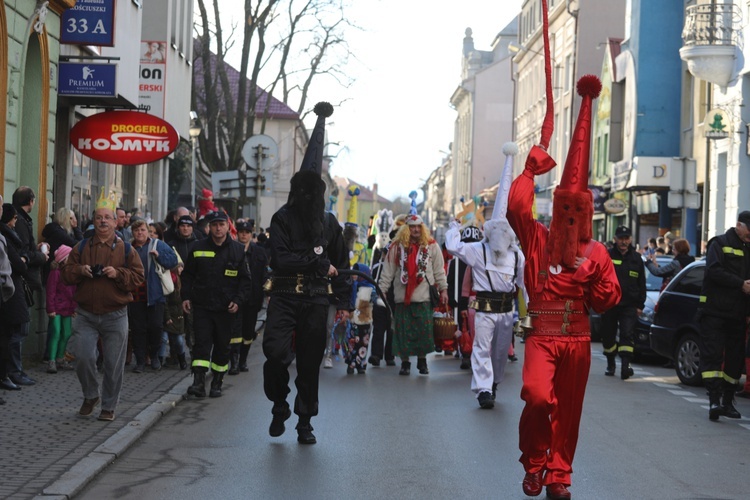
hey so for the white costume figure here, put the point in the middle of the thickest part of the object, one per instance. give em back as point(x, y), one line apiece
point(496, 269)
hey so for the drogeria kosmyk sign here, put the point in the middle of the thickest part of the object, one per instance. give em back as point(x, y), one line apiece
point(124, 137)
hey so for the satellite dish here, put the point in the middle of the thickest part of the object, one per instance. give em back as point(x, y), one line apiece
point(270, 151)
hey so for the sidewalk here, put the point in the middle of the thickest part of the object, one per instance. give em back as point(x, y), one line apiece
point(48, 451)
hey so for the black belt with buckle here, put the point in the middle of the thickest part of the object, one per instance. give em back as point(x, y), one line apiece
point(493, 302)
point(298, 285)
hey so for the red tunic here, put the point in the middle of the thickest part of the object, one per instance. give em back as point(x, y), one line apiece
point(556, 367)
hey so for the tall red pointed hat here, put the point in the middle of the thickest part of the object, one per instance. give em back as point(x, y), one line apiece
point(575, 176)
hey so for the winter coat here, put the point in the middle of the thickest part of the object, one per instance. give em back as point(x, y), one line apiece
point(15, 311)
point(167, 258)
point(36, 259)
point(434, 273)
point(60, 295)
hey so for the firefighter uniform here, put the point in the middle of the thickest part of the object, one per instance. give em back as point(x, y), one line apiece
point(214, 276)
point(632, 278)
point(722, 312)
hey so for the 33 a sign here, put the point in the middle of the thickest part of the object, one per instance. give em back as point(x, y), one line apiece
point(90, 22)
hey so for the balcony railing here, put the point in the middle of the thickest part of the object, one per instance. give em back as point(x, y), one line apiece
point(712, 24)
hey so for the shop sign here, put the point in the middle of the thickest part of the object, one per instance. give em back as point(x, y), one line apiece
point(89, 22)
point(615, 206)
point(84, 79)
point(717, 124)
point(153, 77)
point(124, 137)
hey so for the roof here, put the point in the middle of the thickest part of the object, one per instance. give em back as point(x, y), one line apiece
point(277, 109)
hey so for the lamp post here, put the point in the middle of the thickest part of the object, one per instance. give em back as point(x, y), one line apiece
point(195, 131)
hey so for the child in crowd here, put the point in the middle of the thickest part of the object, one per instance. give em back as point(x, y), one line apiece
point(358, 333)
point(174, 322)
point(60, 308)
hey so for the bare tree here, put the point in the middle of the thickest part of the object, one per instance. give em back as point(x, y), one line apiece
point(289, 43)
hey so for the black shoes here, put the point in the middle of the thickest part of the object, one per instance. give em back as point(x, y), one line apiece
point(198, 389)
point(21, 379)
point(512, 357)
point(349, 370)
point(626, 371)
point(611, 366)
point(216, 381)
point(422, 366)
point(305, 435)
point(405, 368)
point(182, 361)
point(8, 385)
point(277, 427)
point(494, 390)
point(374, 360)
point(486, 401)
point(715, 411)
point(729, 411)
point(234, 363)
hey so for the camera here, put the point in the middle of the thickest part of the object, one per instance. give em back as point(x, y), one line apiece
point(97, 271)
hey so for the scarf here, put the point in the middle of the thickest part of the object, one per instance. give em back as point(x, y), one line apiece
point(411, 271)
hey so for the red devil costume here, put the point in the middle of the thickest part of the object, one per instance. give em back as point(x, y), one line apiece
point(566, 275)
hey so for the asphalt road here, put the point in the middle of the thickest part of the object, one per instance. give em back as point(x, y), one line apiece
point(384, 435)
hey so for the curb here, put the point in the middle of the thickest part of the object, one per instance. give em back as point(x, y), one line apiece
point(75, 480)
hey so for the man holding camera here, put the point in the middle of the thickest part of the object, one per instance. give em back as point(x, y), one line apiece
point(106, 271)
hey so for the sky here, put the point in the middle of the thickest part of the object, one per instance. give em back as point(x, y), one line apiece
point(398, 124)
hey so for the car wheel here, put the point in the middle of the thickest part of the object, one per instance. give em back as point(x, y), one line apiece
point(687, 357)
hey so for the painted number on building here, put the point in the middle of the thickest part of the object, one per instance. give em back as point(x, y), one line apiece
point(89, 22)
point(124, 137)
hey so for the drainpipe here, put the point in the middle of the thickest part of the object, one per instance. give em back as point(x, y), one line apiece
point(707, 172)
point(574, 14)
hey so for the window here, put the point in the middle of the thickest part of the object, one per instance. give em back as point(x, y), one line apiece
point(691, 282)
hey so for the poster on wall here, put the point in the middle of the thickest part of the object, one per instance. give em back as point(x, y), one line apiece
point(153, 76)
point(89, 22)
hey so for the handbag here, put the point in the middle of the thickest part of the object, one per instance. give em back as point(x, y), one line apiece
point(27, 292)
point(434, 296)
point(165, 277)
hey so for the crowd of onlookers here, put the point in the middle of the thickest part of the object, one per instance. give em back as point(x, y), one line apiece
point(34, 269)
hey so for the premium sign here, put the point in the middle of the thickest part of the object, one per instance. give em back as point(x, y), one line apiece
point(89, 22)
point(124, 137)
point(84, 79)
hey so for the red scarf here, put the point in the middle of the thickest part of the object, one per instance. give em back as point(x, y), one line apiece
point(411, 269)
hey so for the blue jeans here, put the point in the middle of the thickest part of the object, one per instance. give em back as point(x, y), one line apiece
point(16, 333)
point(176, 343)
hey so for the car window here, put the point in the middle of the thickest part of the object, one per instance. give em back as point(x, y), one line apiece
point(691, 281)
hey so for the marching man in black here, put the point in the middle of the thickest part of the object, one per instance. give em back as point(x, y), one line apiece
point(307, 250)
point(215, 281)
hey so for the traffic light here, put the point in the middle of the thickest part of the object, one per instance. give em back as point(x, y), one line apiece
point(262, 182)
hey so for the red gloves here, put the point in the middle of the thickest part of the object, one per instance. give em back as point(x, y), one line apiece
point(539, 162)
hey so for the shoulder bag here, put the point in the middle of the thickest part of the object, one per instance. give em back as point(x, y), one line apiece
point(165, 277)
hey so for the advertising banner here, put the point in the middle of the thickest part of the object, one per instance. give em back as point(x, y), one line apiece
point(153, 76)
point(86, 79)
point(124, 137)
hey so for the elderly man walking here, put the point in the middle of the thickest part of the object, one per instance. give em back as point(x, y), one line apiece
point(106, 271)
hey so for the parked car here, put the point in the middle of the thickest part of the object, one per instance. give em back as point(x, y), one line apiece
point(675, 331)
point(642, 328)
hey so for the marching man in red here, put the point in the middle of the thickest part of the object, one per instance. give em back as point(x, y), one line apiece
point(567, 274)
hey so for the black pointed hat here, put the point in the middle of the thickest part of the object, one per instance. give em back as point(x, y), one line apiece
point(313, 159)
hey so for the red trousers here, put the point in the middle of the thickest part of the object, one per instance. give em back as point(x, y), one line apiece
point(555, 373)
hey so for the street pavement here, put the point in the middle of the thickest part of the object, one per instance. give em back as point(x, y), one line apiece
point(48, 451)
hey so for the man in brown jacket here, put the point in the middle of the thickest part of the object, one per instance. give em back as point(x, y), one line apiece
point(106, 271)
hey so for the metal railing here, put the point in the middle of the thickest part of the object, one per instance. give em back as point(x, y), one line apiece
point(712, 24)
